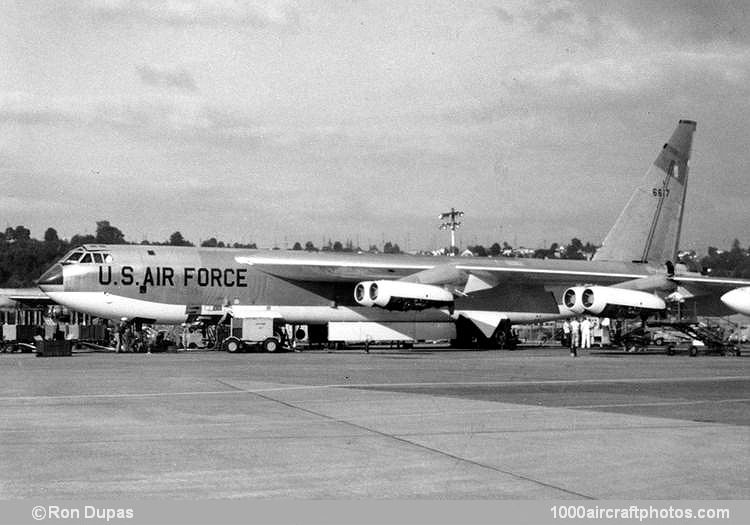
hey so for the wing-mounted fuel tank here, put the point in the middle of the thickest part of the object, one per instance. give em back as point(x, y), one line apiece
point(609, 301)
point(400, 295)
point(738, 300)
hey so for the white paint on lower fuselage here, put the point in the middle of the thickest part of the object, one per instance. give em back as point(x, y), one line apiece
point(117, 307)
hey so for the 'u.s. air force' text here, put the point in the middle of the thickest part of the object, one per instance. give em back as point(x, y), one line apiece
point(168, 276)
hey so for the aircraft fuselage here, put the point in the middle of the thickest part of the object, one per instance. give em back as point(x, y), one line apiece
point(166, 283)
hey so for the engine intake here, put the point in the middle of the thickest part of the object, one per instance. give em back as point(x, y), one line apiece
point(399, 295)
point(572, 299)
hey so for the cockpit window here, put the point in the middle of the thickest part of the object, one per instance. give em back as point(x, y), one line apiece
point(74, 256)
point(84, 255)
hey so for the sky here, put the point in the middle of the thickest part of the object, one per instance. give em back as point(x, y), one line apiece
point(283, 121)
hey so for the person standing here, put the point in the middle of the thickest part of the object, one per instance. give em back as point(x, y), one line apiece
point(585, 333)
point(605, 331)
point(575, 335)
point(127, 339)
point(118, 337)
point(566, 333)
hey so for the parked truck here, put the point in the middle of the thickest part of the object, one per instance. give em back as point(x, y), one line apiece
point(264, 333)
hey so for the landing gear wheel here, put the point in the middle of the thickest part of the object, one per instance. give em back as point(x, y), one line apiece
point(693, 351)
point(232, 345)
point(271, 344)
point(670, 350)
point(737, 351)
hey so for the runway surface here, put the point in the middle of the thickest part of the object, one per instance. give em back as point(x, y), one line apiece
point(428, 424)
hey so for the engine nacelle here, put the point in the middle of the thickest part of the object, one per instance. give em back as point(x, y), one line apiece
point(572, 299)
point(606, 300)
point(399, 295)
point(738, 300)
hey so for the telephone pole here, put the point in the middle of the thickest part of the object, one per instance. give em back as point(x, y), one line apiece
point(451, 223)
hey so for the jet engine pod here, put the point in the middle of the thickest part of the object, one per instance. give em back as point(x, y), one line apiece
point(572, 299)
point(606, 300)
point(362, 293)
point(399, 295)
point(738, 300)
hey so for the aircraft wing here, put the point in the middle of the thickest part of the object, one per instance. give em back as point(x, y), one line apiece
point(703, 285)
point(456, 271)
point(534, 270)
point(353, 268)
point(28, 296)
point(342, 269)
point(715, 295)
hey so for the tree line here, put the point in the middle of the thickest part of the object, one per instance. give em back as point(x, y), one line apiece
point(23, 258)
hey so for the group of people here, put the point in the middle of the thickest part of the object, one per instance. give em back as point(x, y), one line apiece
point(578, 333)
point(126, 339)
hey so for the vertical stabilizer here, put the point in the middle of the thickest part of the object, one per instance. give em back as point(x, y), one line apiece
point(648, 229)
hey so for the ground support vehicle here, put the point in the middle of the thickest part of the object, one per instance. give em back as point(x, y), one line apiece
point(245, 333)
point(702, 337)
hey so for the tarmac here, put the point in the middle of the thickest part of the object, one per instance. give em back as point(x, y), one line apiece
point(403, 424)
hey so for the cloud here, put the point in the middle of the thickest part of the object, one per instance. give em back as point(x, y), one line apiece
point(564, 23)
point(197, 12)
point(167, 77)
point(554, 17)
point(667, 23)
point(638, 80)
point(502, 14)
point(171, 116)
point(679, 21)
point(19, 107)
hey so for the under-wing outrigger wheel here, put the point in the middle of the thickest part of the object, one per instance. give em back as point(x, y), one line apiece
point(271, 344)
point(232, 344)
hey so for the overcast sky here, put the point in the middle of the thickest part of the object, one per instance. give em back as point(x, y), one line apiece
point(283, 121)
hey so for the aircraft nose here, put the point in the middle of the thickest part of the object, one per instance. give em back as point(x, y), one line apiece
point(52, 278)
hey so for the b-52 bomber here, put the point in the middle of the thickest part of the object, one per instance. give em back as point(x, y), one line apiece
point(633, 273)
